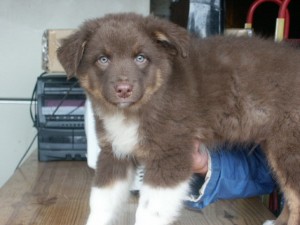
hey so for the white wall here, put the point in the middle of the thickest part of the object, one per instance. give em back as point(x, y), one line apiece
point(22, 25)
point(16, 133)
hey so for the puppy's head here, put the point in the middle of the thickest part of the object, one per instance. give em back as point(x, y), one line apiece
point(121, 60)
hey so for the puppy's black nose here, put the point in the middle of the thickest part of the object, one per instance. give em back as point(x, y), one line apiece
point(123, 90)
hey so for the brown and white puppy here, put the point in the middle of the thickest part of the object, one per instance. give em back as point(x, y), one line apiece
point(154, 89)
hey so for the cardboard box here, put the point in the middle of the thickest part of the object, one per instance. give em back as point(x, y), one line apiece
point(50, 43)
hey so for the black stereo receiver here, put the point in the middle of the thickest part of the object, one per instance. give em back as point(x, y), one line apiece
point(60, 118)
point(60, 102)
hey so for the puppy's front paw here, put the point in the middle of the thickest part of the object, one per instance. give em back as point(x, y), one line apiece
point(160, 205)
point(106, 203)
point(152, 216)
point(98, 220)
point(269, 222)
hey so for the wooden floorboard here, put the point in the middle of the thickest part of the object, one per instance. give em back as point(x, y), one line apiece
point(57, 193)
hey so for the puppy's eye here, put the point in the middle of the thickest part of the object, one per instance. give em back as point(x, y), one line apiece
point(140, 59)
point(103, 59)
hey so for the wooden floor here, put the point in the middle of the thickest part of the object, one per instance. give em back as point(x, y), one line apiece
point(56, 193)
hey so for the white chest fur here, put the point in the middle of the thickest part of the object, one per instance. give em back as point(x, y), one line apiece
point(122, 132)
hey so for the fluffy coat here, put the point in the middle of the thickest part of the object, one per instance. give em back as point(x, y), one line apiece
point(155, 88)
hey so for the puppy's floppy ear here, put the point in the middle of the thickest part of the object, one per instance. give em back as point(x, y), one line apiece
point(70, 53)
point(169, 35)
point(72, 49)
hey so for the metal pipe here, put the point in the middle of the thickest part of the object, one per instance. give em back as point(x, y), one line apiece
point(283, 14)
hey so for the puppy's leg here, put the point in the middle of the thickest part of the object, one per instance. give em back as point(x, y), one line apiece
point(284, 216)
point(282, 219)
point(291, 212)
point(111, 188)
point(161, 197)
point(293, 204)
point(160, 205)
point(283, 151)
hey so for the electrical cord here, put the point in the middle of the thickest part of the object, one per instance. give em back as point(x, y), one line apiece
point(34, 99)
point(33, 116)
point(26, 152)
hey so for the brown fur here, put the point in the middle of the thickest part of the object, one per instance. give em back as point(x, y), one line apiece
point(220, 89)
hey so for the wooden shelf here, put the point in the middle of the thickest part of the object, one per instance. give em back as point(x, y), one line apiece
point(57, 193)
